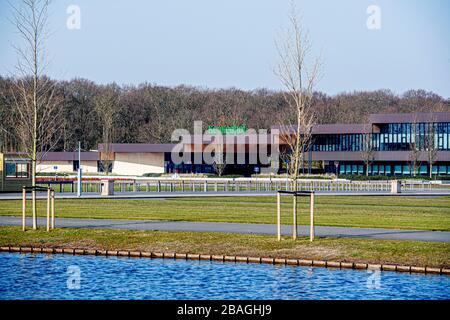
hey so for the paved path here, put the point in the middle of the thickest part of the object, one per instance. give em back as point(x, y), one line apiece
point(190, 194)
point(331, 232)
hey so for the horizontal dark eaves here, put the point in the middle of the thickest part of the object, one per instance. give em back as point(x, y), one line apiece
point(137, 147)
point(329, 128)
point(69, 156)
point(410, 117)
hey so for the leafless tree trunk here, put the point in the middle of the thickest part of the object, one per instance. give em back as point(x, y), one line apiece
point(430, 147)
point(106, 106)
point(368, 151)
point(220, 161)
point(38, 110)
point(414, 148)
point(298, 76)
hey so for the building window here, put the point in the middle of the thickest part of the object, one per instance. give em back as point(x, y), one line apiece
point(17, 170)
point(388, 170)
point(406, 170)
point(76, 165)
point(101, 166)
point(434, 170)
point(360, 169)
point(423, 170)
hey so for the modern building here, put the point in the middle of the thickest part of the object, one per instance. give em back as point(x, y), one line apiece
point(136, 158)
point(388, 144)
point(56, 162)
point(397, 144)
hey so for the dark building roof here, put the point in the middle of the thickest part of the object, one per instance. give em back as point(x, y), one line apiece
point(228, 138)
point(381, 118)
point(69, 156)
point(409, 117)
point(138, 147)
point(339, 128)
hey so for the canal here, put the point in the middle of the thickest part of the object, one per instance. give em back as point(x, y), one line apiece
point(41, 276)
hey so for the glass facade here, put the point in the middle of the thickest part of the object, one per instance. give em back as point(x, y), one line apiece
point(392, 137)
point(405, 136)
point(391, 169)
point(338, 142)
point(389, 137)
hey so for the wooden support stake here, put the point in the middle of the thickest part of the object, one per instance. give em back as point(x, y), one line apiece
point(311, 226)
point(48, 209)
point(279, 216)
point(33, 196)
point(24, 207)
point(294, 225)
point(53, 209)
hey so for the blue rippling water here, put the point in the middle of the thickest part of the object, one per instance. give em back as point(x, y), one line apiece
point(40, 276)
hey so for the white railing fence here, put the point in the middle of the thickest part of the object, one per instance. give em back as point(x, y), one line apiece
point(247, 185)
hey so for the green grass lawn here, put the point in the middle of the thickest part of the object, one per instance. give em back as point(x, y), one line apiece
point(344, 250)
point(383, 212)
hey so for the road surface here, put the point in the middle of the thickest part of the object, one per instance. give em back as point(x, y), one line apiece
point(242, 228)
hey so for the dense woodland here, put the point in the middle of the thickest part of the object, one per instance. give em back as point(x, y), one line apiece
point(148, 113)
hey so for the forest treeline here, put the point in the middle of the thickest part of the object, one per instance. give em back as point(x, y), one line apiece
point(148, 113)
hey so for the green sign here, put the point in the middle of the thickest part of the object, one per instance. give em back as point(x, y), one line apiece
point(227, 129)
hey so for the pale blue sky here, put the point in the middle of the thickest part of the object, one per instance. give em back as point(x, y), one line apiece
point(220, 44)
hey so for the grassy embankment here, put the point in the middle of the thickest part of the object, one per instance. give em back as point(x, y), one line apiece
point(344, 250)
point(377, 212)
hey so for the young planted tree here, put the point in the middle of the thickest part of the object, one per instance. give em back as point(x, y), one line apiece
point(298, 73)
point(107, 108)
point(368, 151)
point(219, 163)
point(219, 160)
point(430, 147)
point(34, 99)
point(414, 148)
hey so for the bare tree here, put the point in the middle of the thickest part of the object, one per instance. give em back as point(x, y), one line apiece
point(368, 150)
point(219, 163)
point(219, 160)
point(106, 106)
point(414, 148)
point(298, 76)
point(430, 147)
point(34, 98)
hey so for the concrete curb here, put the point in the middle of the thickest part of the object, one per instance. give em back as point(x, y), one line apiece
point(235, 259)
